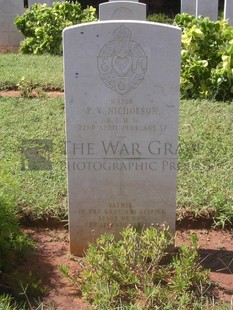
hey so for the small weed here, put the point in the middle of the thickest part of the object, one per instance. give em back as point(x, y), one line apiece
point(29, 285)
point(29, 90)
point(7, 302)
point(137, 272)
point(26, 291)
point(65, 271)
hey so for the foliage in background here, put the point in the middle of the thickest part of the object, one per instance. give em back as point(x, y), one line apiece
point(136, 271)
point(160, 18)
point(42, 25)
point(207, 58)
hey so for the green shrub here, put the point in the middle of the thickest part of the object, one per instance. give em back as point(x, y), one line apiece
point(137, 273)
point(42, 25)
point(160, 18)
point(207, 58)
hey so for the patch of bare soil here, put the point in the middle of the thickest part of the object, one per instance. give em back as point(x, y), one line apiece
point(5, 49)
point(52, 250)
point(16, 93)
point(216, 252)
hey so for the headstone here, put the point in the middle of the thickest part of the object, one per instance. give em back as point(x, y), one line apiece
point(189, 7)
point(10, 36)
point(123, 0)
point(228, 11)
point(48, 2)
point(122, 106)
point(208, 8)
point(122, 10)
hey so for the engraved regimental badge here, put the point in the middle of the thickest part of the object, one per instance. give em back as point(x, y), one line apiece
point(122, 63)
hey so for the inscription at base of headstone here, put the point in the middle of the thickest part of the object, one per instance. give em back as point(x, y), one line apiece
point(122, 107)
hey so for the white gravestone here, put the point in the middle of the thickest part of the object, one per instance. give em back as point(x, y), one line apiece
point(48, 2)
point(10, 36)
point(123, 0)
point(122, 107)
point(122, 10)
point(208, 8)
point(189, 7)
point(228, 11)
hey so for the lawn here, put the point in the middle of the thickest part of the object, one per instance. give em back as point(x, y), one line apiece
point(46, 70)
point(39, 193)
point(34, 128)
point(205, 176)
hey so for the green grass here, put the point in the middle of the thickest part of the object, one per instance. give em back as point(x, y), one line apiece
point(45, 70)
point(205, 178)
point(41, 193)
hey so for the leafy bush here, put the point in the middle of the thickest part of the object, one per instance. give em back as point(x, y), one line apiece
point(42, 25)
point(207, 58)
point(136, 271)
point(160, 18)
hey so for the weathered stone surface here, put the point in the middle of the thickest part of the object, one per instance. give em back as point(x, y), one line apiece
point(208, 8)
point(122, 106)
point(10, 36)
point(189, 7)
point(228, 11)
point(123, 0)
point(48, 2)
point(122, 10)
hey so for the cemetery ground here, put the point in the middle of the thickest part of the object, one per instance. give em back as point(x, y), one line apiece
point(205, 176)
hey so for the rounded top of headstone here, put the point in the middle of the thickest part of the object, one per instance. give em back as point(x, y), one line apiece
point(124, 0)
